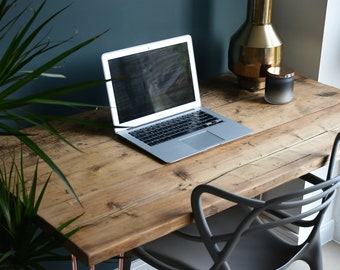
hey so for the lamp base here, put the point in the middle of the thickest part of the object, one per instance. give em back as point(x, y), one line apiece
point(251, 84)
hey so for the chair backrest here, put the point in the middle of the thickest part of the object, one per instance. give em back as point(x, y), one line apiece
point(317, 197)
point(334, 153)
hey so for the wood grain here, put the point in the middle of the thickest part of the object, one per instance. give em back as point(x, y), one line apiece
point(129, 198)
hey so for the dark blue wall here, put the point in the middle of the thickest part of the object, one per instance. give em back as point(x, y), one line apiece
point(133, 22)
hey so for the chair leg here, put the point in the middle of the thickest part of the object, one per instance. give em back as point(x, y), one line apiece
point(314, 256)
point(315, 262)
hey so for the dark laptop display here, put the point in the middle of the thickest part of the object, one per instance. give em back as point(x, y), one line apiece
point(151, 81)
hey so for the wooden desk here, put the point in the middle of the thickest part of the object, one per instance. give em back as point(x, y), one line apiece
point(130, 198)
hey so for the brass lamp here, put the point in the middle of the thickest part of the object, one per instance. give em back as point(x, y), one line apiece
point(254, 46)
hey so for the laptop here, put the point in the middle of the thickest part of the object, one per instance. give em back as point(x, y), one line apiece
point(155, 102)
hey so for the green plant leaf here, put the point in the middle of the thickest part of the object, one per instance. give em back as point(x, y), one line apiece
point(27, 41)
point(24, 245)
point(18, 53)
point(4, 257)
point(36, 149)
point(37, 72)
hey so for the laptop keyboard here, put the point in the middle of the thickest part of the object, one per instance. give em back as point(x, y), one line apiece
point(175, 127)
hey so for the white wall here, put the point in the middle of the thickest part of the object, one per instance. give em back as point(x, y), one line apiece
point(329, 71)
point(300, 24)
point(310, 31)
point(330, 228)
point(336, 214)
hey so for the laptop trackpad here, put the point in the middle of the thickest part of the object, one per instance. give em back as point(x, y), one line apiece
point(202, 140)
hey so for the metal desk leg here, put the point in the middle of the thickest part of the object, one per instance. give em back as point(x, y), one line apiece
point(74, 263)
point(121, 261)
point(124, 261)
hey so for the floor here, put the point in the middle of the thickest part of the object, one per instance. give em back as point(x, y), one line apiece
point(331, 256)
point(331, 260)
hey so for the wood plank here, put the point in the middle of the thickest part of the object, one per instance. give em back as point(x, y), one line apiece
point(307, 149)
point(129, 198)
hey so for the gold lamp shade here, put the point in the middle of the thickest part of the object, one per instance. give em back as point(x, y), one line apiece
point(255, 46)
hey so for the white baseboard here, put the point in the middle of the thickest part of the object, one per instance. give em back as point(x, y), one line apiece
point(337, 230)
point(327, 231)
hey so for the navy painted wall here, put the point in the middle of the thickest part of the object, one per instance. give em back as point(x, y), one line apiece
point(133, 22)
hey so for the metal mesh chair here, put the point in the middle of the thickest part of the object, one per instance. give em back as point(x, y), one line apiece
point(246, 235)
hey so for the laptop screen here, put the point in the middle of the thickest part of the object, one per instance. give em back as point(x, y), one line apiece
point(151, 81)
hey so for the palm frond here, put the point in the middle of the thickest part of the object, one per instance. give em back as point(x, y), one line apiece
point(23, 243)
point(36, 149)
point(19, 52)
point(27, 43)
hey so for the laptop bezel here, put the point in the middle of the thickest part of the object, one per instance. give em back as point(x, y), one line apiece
point(106, 57)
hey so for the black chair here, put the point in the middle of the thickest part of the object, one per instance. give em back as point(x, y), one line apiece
point(247, 236)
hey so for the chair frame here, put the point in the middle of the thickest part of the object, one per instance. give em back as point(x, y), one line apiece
point(309, 250)
point(275, 207)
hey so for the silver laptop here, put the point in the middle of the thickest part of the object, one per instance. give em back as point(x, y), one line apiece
point(155, 102)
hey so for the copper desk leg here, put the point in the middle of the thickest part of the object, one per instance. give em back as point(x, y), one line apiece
point(74, 263)
point(121, 261)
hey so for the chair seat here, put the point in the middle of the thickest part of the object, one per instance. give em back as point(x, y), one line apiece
point(250, 241)
point(251, 251)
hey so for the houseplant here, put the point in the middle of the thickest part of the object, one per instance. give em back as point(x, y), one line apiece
point(22, 244)
point(24, 46)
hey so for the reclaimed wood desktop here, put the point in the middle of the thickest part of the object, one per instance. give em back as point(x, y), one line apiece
point(129, 198)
